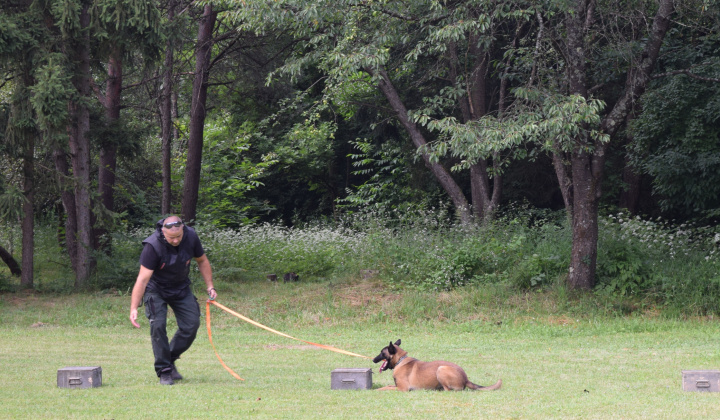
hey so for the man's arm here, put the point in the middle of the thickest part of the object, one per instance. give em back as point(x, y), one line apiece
point(138, 292)
point(206, 272)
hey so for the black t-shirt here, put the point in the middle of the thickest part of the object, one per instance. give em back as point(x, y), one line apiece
point(172, 265)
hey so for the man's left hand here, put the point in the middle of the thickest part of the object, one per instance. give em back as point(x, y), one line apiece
point(212, 294)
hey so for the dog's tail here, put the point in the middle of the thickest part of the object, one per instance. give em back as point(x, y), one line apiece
point(477, 387)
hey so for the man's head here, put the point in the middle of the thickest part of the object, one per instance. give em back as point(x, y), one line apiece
point(172, 229)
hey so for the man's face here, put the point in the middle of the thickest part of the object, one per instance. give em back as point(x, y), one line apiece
point(174, 234)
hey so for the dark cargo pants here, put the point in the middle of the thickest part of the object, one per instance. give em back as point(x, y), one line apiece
point(187, 315)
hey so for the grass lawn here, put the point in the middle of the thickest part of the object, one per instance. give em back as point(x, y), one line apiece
point(554, 364)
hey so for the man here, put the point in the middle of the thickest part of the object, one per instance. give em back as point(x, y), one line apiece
point(163, 280)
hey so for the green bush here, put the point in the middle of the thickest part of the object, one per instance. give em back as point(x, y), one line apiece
point(622, 269)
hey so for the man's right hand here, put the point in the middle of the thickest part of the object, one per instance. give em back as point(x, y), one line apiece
point(137, 293)
point(133, 318)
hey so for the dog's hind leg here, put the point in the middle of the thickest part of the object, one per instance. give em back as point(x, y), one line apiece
point(450, 378)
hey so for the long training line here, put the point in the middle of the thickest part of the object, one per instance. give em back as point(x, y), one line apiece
point(259, 325)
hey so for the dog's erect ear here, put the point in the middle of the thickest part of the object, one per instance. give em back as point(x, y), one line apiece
point(391, 348)
point(397, 343)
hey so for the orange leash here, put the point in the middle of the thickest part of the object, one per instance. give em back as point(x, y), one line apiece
point(259, 325)
point(207, 322)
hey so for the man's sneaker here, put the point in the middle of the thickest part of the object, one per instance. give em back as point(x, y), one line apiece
point(166, 378)
point(174, 374)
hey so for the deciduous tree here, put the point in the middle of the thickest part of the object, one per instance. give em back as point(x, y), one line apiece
point(424, 57)
point(198, 112)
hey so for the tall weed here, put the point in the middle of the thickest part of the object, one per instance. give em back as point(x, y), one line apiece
point(253, 252)
point(673, 265)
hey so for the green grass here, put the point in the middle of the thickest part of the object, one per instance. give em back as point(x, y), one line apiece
point(558, 356)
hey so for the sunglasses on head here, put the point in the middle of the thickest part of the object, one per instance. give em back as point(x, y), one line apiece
point(171, 225)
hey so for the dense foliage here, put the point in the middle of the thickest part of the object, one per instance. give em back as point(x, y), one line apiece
point(300, 112)
point(643, 263)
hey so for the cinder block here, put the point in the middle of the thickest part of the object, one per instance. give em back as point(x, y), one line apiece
point(351, 378)
point(79, 377)
point(701, 380)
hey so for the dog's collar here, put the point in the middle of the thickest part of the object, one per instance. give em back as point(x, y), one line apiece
point(400, 361)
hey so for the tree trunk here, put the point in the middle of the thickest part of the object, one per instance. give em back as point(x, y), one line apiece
point(175, 114)
point(69, 216)
point(587, 168)
point(80, 156)
point(108, 152)
point(586, 188)
point(639, 75)
point(24, 134)
point(564, 180)
point(441, 174)
point(197, 114)
point(10, 262)
point(167, 118)
point(473, 105)
point(484, 199)
point(28, 219)
point(586, 197)
point(635, 84)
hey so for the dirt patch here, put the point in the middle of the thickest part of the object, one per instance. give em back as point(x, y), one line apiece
point(364, 294)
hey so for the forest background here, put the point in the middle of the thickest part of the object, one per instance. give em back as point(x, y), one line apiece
point(535, 143)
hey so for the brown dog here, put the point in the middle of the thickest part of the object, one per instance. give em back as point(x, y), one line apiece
point(410, 373)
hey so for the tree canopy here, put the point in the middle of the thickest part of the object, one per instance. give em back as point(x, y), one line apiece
point(238, 111)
